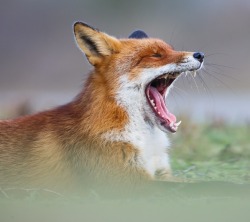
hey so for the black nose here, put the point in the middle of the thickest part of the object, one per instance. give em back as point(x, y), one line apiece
point(199, 56)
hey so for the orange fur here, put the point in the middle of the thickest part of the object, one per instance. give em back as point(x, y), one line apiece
point(64, 147)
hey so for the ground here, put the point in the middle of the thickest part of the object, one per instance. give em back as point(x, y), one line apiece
point(214, 156)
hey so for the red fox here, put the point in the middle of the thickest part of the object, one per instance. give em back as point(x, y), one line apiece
point(114, 130)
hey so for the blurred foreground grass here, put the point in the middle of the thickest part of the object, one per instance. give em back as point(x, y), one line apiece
point(216, 155)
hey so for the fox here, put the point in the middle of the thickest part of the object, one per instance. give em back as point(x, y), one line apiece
point(115, 131)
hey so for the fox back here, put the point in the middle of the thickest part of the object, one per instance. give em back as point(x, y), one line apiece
point(114, 131)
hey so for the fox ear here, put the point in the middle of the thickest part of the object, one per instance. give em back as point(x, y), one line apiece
point(139, 34)
point(95, 44)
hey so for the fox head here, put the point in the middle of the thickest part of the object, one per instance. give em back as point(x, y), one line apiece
point(137, 71)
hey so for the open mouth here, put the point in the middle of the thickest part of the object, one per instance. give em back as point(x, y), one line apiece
point(155, 93)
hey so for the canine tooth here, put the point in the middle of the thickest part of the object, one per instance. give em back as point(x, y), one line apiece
point(174, 128)
point(194, 73)
point(177, 124)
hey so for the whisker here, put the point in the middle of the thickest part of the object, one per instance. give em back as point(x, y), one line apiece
point(214, 67)
point(195, 84)
point(214, 64)
point(190, 82)
point(208, 91)
point(179, 95)
point(203, 83)
point(183, 82)
point(173, 95)
point(181, 90)
point(222, 74)
point(216, 53)
point(215, 77)
point(206, 88)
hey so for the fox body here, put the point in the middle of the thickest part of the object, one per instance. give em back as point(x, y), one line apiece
point(114, 130)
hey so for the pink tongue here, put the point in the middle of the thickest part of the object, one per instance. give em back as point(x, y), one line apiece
point(160, 104)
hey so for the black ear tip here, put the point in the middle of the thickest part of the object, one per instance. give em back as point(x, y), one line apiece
point(139, 34)
point(77, 23)
point(84, 24)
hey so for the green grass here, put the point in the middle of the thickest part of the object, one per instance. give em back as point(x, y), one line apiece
point(212, 152)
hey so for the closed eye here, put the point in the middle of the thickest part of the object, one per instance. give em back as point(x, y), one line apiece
point(157, 55)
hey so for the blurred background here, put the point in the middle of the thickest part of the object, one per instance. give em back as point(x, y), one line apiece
point(41, 67)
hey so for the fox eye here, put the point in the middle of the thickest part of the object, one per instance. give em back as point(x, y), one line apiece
point(157, 55)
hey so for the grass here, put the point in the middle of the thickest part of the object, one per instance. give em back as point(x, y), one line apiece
point(212, 152)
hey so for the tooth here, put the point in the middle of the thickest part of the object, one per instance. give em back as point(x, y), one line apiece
point(177, 124)
point(171, 124)
point(173, 128)
point(194, 73)
point(159, 113)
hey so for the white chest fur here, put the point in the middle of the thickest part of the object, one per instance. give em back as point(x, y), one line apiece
point(151, 142)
